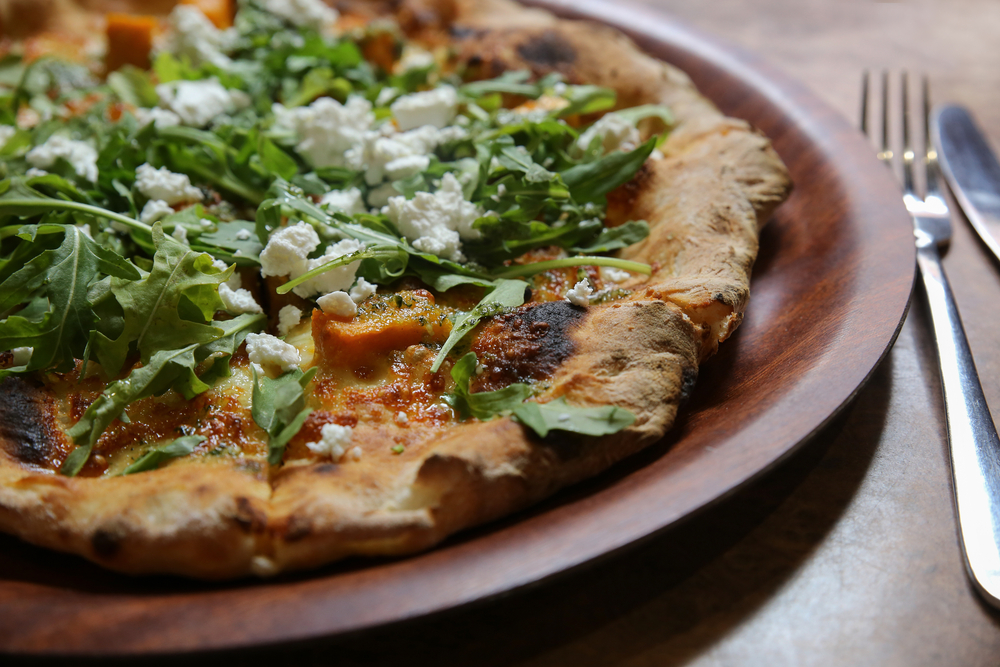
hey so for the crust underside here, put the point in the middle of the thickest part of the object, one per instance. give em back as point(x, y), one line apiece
point(705, 200)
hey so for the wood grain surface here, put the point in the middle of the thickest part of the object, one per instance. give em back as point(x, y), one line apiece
point(846, 554)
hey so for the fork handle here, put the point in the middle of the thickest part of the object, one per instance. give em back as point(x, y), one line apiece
point(974, 445)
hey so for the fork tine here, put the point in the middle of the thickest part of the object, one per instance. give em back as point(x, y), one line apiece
point(864, 103)
point(931, 158)
point(907, 143)
point(886, 154)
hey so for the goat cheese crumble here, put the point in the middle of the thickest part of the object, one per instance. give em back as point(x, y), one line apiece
point(195, 37)
point(198, 103)
point(154, 210)
point(156, 116)
point(348, 202)
point(326, 129)
point(338, 303)
point(287, 254)
point(237, 301)
point(81, 155)
point(362, 290)
point(165, 185)
point(314, 14)
point(436, 107)
point(436, 222)
point(334, 439)
point(288, 318)
point(265, 349)
point(7, 133)
point(580, 294)
point(615, 133)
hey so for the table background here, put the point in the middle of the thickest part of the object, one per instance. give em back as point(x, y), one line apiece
point(847, 553)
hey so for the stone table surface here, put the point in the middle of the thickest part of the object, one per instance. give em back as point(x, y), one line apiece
point(847, 554)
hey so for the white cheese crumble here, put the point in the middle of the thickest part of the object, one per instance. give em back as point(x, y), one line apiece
point(234, 282)
point(194, 36)
point(437, 107)
point(35, 173)
point(165, 185)
point(154, 210)
point(615, 133)
point(181, 234)
point(243, 235)
point(338, 303)
point(266, 349)
point(347, 201)
point(197, 103)
point(80, 155)
point(7, 133)
point(157, 116)
point(402, 418)
point(386, 95)
point(22, 355)
point(435, 223)
point(362, 290)
point(327, 129)
point(334, 439)
point(611, 274)
point(414, 57)
point(314, 14)
point(356, 453)
point(287, 254)
point(288, 318)
point(238, 301)
point(580, 294)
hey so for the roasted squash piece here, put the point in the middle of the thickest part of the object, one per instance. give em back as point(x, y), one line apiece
point(219, 12)
point(130, 40)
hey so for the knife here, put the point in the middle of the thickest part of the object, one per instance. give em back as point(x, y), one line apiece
point(972, 171)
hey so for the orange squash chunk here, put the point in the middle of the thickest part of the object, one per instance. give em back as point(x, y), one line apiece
point(130, 40)
point(219, 12)
point(383, 323)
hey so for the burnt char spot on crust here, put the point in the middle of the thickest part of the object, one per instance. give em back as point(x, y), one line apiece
point(247, 516)
point(528, 343)
point(549, 49)
point(106, 542)
point(688, 381)
point(26, 428)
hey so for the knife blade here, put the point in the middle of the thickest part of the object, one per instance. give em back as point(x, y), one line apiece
point(971, 169)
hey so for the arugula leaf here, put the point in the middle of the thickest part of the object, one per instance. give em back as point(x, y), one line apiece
point(614, 238)
point(152, 320)
point(63, 275)
point(482, 405)
point(152, 460)
point(508, 82)
point(505, 294)
point(635, 114)
point(133, 86)
point(165, 368)
point(278, 407)
point(558, 415)
point(17, 199)
point(234, 241)
point(587, 99)
point(592, 180)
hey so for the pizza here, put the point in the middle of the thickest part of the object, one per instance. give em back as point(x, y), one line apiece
point(283, 283)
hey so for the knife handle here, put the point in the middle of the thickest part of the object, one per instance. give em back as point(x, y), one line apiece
point(972, 436)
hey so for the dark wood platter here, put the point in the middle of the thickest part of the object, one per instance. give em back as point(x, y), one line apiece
point(829, 293)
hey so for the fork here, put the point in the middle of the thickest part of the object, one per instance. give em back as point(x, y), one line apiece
point(972, 437)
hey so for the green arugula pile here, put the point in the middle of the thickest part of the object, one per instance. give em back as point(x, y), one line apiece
point(81, 278)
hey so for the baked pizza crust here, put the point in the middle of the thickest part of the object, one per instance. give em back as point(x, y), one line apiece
point(705, 200)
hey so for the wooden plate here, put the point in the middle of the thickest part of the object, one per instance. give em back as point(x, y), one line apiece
point(830, 291)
